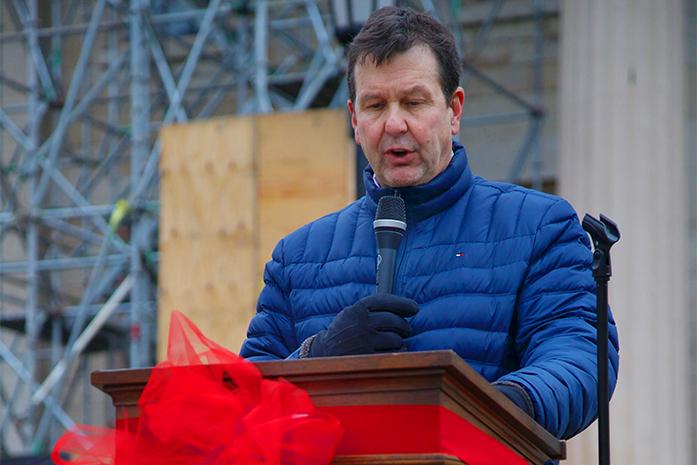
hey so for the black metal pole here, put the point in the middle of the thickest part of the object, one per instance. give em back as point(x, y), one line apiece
point(603, 382)
point(604, 234)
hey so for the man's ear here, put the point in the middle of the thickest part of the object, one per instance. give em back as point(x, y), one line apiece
point(456, 103)
point(354, 121)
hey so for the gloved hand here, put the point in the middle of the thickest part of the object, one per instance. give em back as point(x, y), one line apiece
point(373, 324)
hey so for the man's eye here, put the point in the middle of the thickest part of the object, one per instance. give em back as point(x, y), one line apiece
point(414, 103)
point(374, 106)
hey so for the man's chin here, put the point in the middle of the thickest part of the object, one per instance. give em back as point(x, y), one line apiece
point(403, 179)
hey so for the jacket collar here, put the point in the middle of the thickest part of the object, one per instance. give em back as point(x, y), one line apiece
point(428, 199)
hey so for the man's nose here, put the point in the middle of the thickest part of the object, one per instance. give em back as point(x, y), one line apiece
point(395, 123)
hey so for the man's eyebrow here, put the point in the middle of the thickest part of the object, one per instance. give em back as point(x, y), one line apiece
point(369, 96)
point(417, 89)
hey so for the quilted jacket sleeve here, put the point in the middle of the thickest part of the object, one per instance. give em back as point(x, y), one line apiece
point(556, 327)
point(271, 334)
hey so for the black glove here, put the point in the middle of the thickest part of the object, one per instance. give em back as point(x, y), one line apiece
point(373, 324)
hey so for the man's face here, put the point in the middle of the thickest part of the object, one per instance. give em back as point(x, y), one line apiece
point(401, 119)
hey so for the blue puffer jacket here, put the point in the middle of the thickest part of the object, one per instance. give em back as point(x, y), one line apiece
point(501, 275)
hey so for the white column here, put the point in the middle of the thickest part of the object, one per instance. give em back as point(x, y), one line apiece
point(622, 153)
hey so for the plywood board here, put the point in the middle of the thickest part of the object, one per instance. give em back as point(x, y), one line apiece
point(208, 228)
point(231, 188)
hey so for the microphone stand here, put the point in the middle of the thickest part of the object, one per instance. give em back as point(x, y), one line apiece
point(604, 234)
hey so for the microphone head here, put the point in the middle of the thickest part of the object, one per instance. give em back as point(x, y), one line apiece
point(391, 212)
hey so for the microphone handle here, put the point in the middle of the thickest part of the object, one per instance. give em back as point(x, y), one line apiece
point(385, 270)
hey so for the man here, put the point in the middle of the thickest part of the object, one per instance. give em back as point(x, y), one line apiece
point(498, 273)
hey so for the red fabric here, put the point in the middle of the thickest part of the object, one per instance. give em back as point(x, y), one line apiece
point(417, 429)
point(192, 414)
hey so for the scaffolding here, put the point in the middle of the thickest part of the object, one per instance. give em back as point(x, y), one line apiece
point(85, 86)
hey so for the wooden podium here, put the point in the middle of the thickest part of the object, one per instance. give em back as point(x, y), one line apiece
point(437, 378)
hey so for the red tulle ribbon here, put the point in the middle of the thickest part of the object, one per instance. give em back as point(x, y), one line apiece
point(208, 406)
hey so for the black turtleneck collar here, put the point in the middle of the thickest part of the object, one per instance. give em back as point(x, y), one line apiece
point(426, 200)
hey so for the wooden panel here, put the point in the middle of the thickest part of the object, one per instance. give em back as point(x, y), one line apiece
point(230, 189)
point(208, 228)
point(306, 170)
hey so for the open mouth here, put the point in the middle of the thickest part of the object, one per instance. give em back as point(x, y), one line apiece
point(398, 152)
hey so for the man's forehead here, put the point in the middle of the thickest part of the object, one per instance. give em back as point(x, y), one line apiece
point(413, 71)
point(378, 60)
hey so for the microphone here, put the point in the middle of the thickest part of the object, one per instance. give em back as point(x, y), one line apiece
point(389, 225)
